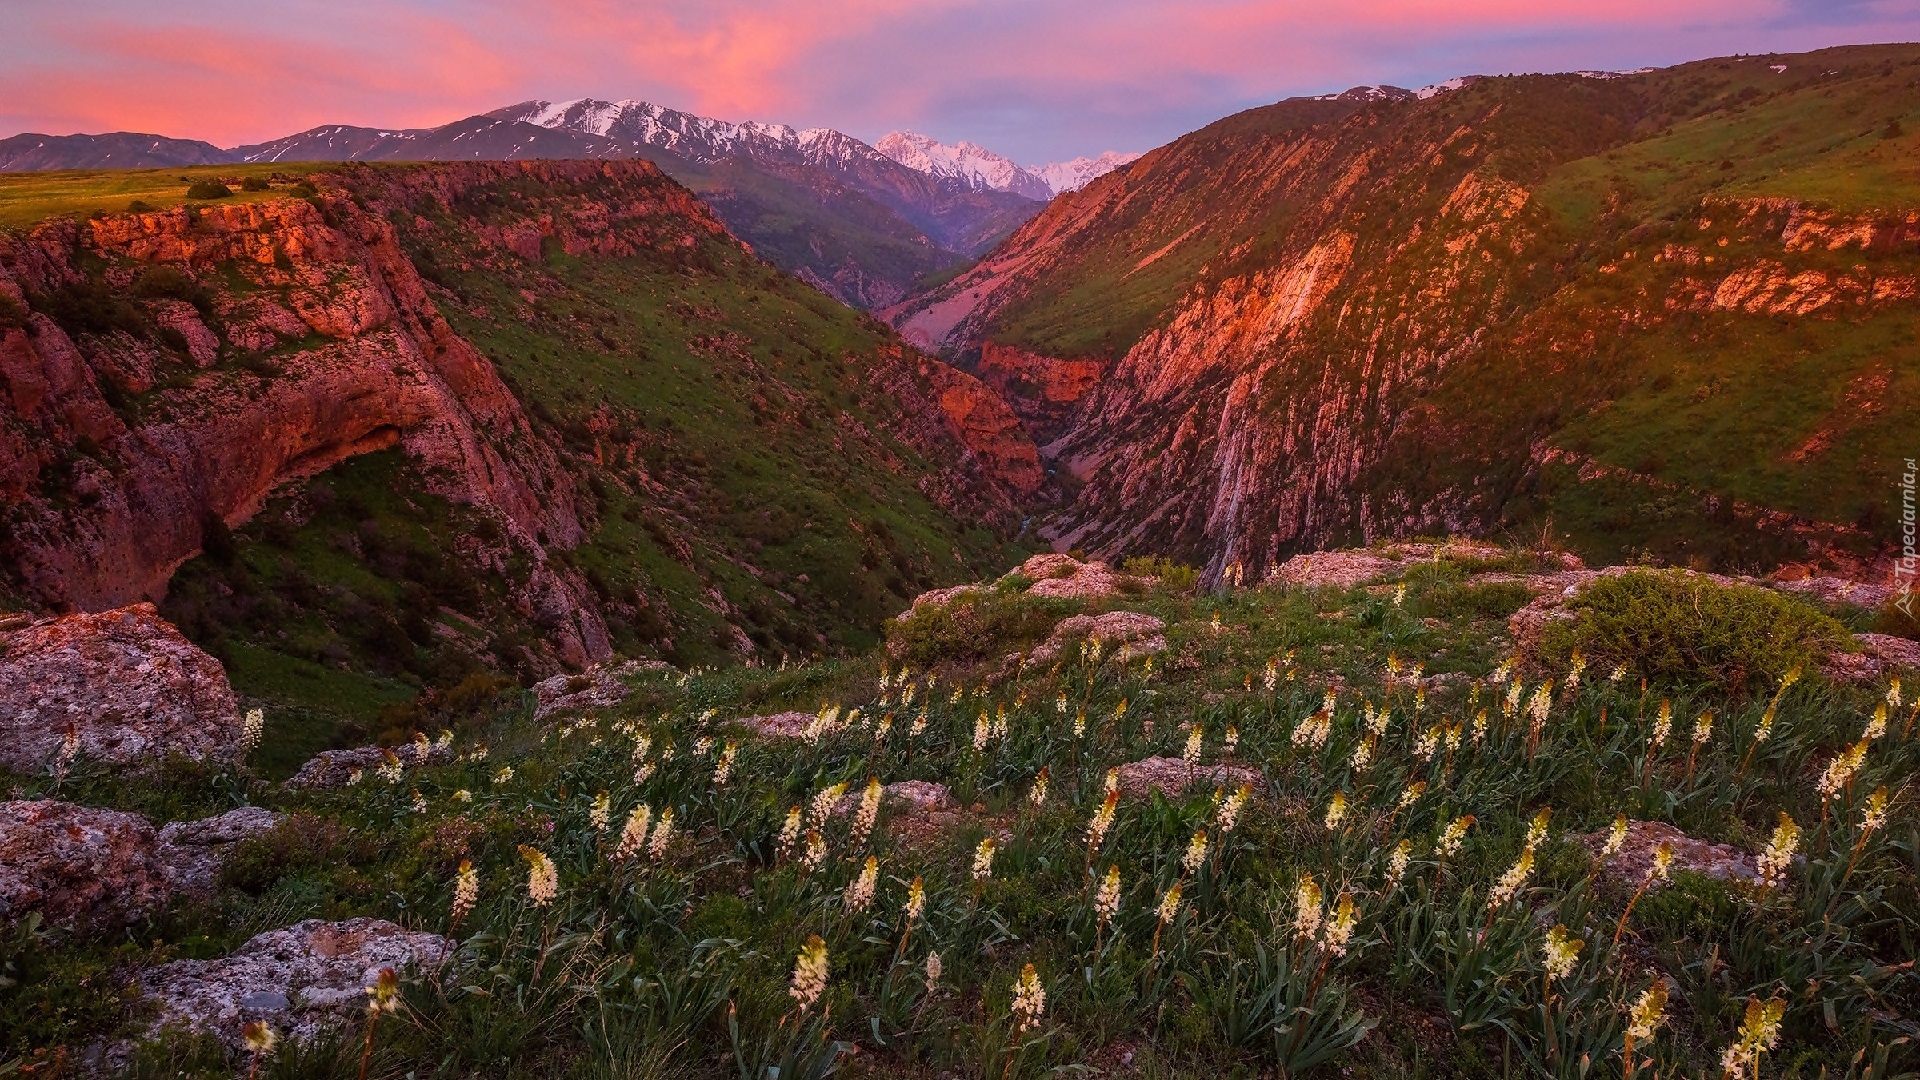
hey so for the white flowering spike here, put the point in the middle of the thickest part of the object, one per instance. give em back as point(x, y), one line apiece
point(543, 878)
point(809, 973)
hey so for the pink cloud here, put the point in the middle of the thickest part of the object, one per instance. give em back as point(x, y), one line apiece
point(1043, 76)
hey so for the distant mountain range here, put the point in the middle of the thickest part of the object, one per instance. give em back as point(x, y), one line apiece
point(864, 224)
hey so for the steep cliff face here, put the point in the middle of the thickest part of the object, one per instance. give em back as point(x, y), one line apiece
point(1547, 299)
point(428, 422)
point(326, 346)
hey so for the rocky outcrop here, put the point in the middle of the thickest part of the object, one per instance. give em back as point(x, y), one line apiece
point(89, 869)
point(302, 980)
point(784, 725)
point(319, 341)
point(120, 687)
point(984, 425)
point(1041, 390)
point(1063, 576)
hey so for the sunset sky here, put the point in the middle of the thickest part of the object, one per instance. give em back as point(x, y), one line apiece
point(1036, 79)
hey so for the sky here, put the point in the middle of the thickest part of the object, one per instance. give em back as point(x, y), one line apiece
point(1038, 80)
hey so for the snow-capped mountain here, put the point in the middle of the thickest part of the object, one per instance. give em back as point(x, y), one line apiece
point(694, 138)
point(975, 166)
point(1065, 176)
point(985, 170)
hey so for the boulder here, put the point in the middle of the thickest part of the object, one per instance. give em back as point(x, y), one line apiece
point(302, 980)
point(1172, 776)
point(88, 868)
point(335, 768)
point(601, 686)
point(786, 725)
point(1065, 577)
point(127, 685)
point(1136, 634)
point(1879, 655)
point(917, 796)
point(1627, 870)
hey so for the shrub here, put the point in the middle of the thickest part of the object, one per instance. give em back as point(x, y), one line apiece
point(208, 189)
point(255, 183)
point(1483, 600)
point(304, 189)
point(1176, 576)
point(300, 842)
point(1673, 626)
point(973, 626)
point(172, 283)
point(139, 206)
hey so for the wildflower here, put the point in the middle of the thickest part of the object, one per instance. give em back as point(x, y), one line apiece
point(1540, 703)
point(1102, 820)
point(860, 889)
point(1511, 706)
point(1376, 719)
point(390, 768)
point(543, 878)
point(466, 890)
point(823, 803)
point(869, 810)
point(1196, 852)
point(662, 834)
point(816, 852)
point(1648, 1012)
point(982, 728)
point(1112, 783)
point(642, 746)
point(462, 796)
point(1616, 837)
point(1038, 794)
point(1479, 726)
point(1336, 810)
point(644, 773)
point(1773, 862)
point(919, 725)
point(1503, 672)
point(1411, 794)
point(916, 900)
point(505, 774)
point(1560, 952)
point(633, 836)
point(932, 969)
point(250, 728)
point(1313, 731)
point(1703, 728)
point(702, 746)
point(1307, 899)
point(1029, 1000)
point(1512, 881)
point(789, 832)
point(1662, 724)
point(1079, 723)
point(1397, 864)
point(1876, 813)
point(1426, 743)
point(1232, 738)
point(1877, 726)
point(259, 1037)
point(1228, 815)
point(1272, 676)
point(1662, 863)
point(353, 777)
point(983, 860)
point(723, 769)
point(1192, 752)
point(809, 973)
point(1339, 929)
point(1759, 1032)
point(1573, 674)
point(1840, 770)
point(1893, 693)
point(1362, 755)
point(1170, 904)
point(384, 995)
point(1537, 828)
point(1619, 672)
point(1450, 839)
point(601, 813)
point(1106, 902)
point(1399, 595)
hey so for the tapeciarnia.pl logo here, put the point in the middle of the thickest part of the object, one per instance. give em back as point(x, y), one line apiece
point(1904, 570)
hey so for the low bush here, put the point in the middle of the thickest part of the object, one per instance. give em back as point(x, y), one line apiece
point(1673, 626)
point(1176, 576)
point(973, 626)
point(1482, 600)
point(208, 189)
point(255, 183)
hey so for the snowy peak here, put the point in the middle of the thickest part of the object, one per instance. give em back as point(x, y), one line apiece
point(975, 166)
point(984, 170)
point(1065, 176)
point(696, 138)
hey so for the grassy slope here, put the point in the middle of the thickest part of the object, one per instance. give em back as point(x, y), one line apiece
point(729, 448)
point(34, 196)
point(1454, 988)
